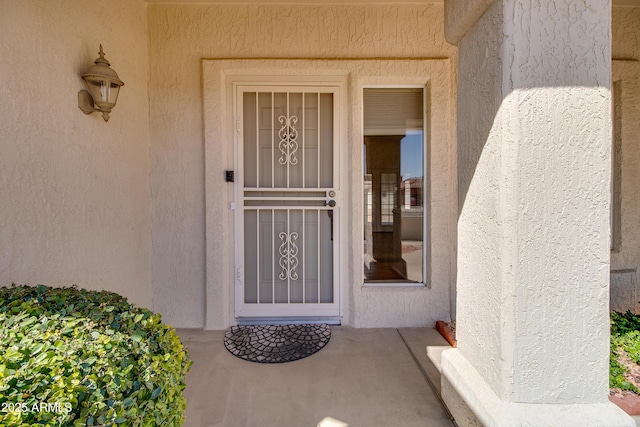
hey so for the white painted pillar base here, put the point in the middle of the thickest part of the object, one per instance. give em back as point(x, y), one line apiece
point(473, 402)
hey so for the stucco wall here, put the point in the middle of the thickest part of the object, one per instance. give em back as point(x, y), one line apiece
point(182, 35)
point(478, 190)
point(530, 260)
point(625, 32)
point(74, 190)
point(625, 258)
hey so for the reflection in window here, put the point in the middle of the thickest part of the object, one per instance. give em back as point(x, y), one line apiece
point(368, 200)
point(387, 198)
point(393, 185)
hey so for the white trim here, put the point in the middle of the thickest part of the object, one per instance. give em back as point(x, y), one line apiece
point(330, 320)
point(426, 195)
point(382, 284)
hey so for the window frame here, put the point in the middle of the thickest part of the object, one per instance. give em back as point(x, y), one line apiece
point(426, 196)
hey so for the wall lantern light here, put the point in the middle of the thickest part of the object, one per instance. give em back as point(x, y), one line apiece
point(103, 84)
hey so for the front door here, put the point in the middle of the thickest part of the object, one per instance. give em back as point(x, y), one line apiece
point(287, 202)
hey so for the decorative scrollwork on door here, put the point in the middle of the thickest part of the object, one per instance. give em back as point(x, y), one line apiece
point(288, 256)
point(288, 140)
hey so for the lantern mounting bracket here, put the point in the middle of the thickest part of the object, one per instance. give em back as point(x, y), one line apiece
point(85, 102)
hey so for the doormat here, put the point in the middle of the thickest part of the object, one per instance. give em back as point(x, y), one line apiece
point(276, 343)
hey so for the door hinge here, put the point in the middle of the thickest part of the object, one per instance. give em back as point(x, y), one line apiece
point(238, 125)
point(239, 274)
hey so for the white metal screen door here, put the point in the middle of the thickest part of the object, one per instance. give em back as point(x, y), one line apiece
point(287, 228)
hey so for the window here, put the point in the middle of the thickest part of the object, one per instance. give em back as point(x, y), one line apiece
point(388, 191)
point(393, 185)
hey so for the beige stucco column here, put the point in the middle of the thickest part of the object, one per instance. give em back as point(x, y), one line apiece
point(534, 144)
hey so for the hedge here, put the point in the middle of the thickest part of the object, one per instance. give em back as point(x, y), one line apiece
point(625, 336)
point(72, 357)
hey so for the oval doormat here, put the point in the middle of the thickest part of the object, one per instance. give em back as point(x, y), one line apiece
point(276, 343)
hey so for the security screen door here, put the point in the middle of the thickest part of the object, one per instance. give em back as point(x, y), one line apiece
point(287, 227)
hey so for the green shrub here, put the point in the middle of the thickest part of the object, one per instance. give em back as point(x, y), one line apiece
point(625, 336)
point(72, 357)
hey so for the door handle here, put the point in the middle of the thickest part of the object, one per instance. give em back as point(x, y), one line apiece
point(330, 213)
point(330, 203)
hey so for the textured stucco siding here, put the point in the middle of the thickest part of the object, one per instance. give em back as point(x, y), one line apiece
point(534, 184)
point(180, 37)
point(461, 15)
point(561, 194)
point(479, 331)
point(625, 32)
point(74, 190)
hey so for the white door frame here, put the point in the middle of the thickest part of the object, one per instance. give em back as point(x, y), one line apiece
point(291, 312)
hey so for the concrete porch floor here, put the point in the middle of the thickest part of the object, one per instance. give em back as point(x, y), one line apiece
point(363, 377)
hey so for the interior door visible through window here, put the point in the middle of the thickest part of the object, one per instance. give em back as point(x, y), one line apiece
point(394, 182)
point(287, 217)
